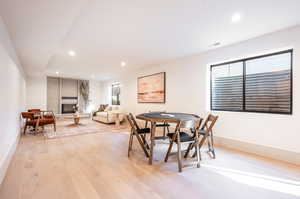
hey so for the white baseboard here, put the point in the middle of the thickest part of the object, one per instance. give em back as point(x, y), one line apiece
point(4, 163)
point(270, 152)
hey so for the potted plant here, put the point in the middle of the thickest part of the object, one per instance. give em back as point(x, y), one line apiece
point(75, 108)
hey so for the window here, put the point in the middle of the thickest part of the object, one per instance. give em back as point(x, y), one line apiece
point(257, 84)
point(115, 94)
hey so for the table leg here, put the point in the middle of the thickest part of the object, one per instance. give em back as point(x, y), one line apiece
point(117, 120)
point(153, 126)
point(76, 120)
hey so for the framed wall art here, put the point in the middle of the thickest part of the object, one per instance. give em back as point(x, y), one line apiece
point(152, 88)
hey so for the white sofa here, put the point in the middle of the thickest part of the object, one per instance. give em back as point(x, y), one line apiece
point(109, 115)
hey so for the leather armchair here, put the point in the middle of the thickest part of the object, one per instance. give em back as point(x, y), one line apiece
point(38, 119)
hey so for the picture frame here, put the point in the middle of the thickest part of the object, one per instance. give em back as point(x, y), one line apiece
point(152, 88)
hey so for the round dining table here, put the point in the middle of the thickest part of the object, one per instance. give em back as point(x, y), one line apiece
point(154, 117)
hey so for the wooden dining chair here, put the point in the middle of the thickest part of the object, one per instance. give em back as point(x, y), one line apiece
point(139, 133)
point(163, 125)
point(180, 137)
point(205, 134)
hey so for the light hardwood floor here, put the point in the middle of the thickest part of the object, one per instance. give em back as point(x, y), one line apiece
point(96, 166)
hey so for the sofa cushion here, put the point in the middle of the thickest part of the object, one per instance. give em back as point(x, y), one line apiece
point(108, 117)
point(102, 114)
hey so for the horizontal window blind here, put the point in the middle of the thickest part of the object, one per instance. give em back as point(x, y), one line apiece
point(262, 84)
point(228, 93)
point(227, 87)
point(269, 92)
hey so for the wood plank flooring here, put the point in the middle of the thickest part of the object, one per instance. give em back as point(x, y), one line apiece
point(96, 166)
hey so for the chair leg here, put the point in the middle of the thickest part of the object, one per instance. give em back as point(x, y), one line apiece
point(212, 146)
point(144, 141)
point(198, 155)
point(142, 145)
point(130, 143)
point(36, 127)
point(188, 150)
point(25, 127)
point(169, 151)
point(210, 151)
point(54, 125)
point(179, 154)
point(164, 135)
point(208, 142)
point(36, 130)
point(199, 145)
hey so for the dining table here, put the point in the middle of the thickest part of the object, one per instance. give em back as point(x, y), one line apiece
point(154, 117)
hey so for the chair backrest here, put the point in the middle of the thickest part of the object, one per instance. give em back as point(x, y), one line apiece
point(34, 110)
point(209, 123)
point(132, 122)
point(193, 125)
point(28, 115)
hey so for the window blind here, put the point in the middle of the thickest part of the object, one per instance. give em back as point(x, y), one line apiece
point(259, 84)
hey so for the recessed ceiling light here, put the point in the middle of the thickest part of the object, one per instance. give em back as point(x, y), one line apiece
point(236, 17)
point(123, 63)
point(57, 72)
point(72, 53)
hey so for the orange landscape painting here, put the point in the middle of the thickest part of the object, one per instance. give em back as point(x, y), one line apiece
point(151, 89)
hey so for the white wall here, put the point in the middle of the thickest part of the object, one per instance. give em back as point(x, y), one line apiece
point(272, 130)
point(187, 83)
point(12, 100)
point(36, 96)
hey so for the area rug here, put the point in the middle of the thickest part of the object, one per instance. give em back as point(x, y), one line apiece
point(66, 127)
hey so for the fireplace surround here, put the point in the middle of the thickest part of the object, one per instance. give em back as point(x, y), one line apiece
point(67, 108)
point(68, 104)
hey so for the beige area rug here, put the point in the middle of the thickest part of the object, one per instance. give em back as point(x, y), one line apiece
point(66, 127)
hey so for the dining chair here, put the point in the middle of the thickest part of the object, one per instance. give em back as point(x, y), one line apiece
point(139, 133)
point(205, 133)
point(163, 125)
point(180, 137)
